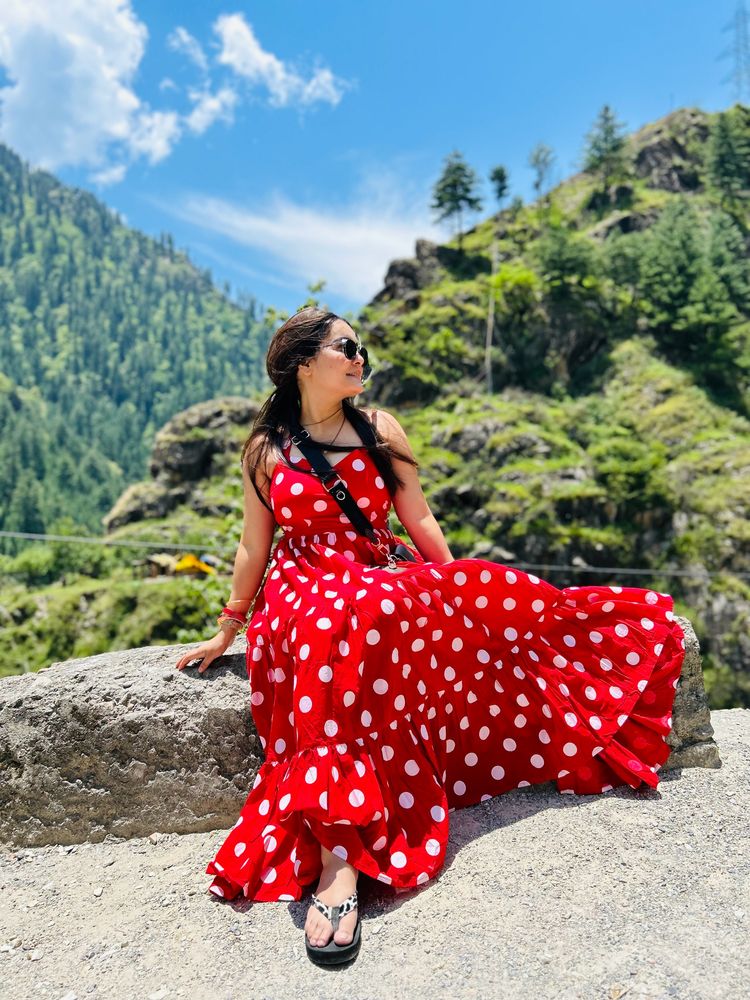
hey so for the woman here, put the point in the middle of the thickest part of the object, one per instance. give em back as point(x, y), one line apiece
point(384, 700)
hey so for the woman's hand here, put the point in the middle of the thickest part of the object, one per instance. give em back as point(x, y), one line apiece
point(208, 651)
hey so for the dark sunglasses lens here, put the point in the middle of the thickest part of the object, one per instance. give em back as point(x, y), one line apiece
point(351, 350)
point(366, 369)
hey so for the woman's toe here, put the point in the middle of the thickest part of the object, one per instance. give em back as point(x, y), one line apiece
point(345, 931)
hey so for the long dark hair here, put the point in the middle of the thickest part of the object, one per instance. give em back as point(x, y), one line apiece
point(293, 344)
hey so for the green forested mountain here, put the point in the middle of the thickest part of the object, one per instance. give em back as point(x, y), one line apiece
point(663, 249)
point(615, 441)
point(104, 334)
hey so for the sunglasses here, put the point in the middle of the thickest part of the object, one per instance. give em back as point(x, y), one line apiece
point(350, 348)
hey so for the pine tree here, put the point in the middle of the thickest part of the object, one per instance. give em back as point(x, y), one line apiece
point(25, 511)
point(728, 259)
point(604, 153)
point(541, 159)
point(499, 181)
point(455, 191)
point(686, 300)
point(728, 159)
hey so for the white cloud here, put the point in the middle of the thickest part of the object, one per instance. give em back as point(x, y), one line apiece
point(349, 246)
point(154, 134)
point(243, 53)
point(70, 64)
point(70, 101)
point(71, 68)
point(110, 175)
point(323, 86)
point(181, 40)
point(230, 263)
point(210, 108)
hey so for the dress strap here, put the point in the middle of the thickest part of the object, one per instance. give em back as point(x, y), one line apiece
point(301, 462)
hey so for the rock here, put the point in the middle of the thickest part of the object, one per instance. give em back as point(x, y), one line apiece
point(183, 455)
point(79, 763)
point(476, 438)
point(692, 734)
point(141, 501)
point(667, 153)
point(184, 447)
point(624, 222)
point(389, 387)
point(406, 277)
point(495, 553)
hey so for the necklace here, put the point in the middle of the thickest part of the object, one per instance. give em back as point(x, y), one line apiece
point(343, 419)
point(311, 422)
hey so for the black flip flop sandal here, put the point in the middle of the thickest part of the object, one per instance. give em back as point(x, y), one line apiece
point(333, 953)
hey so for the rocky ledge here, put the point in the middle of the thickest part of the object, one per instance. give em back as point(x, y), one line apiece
point(183, 454)
point(124, 744)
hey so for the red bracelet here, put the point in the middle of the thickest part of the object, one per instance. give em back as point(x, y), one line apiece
point(237, 615)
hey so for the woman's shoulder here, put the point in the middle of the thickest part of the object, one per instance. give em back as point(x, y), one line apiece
point(385, 423)
point(266, 457)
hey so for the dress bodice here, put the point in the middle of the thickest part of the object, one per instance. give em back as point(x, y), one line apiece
point(302, 505)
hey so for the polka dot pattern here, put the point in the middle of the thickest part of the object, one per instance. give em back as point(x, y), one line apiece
point(383, 700)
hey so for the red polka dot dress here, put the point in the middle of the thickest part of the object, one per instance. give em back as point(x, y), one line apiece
point(385, 700)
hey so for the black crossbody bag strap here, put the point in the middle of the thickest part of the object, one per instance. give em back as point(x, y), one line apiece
point(332, 482)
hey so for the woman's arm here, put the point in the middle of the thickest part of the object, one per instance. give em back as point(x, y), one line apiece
point(249, 567)
point(258, 526)
point(409, 502)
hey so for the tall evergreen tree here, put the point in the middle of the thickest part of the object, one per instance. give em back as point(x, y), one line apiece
point(728, 166)
point(728, 259)
point(541, 159)
point(686, 302)
point(455, 191)
point(499, 181)
point(25, 511)
point(604, 153)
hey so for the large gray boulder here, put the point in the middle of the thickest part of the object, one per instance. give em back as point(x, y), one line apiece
point(123, 743)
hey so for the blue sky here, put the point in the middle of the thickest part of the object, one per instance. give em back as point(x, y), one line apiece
point(282, 143)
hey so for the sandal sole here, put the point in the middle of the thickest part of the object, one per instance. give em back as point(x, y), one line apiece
point(333, 953)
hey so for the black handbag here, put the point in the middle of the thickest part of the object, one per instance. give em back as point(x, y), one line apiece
point(338, 489)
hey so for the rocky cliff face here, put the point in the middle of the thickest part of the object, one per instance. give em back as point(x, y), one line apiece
point(668, 152)
point(188, 449)
point(405, 277)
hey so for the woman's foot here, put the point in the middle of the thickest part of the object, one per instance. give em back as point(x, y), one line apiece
point(337, 881)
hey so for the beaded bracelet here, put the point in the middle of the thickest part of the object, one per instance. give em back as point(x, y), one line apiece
point(230, 624)
point(232, 621)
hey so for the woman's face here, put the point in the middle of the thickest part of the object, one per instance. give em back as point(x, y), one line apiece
point(330, 371)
